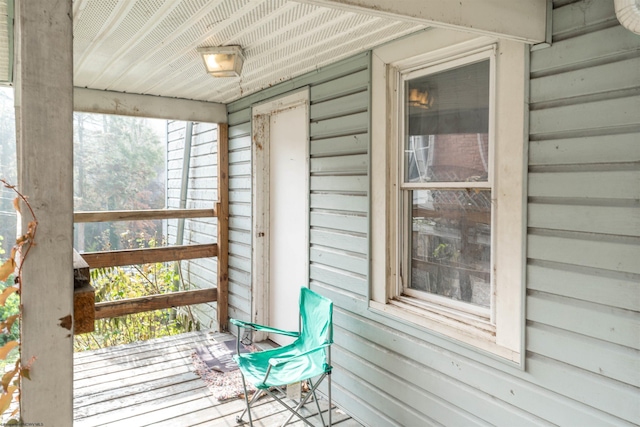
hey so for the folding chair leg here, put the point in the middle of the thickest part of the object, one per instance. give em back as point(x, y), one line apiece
point(247, 403)
point(303, 401)
point(294, 411)
point(317, 404)
point(329, 395)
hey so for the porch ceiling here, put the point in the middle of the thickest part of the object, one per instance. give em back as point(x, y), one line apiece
point(149, 46)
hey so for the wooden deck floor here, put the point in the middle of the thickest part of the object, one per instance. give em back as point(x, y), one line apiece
point(154, 383)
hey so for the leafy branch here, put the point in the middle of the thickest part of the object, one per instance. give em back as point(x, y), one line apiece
point(13, 265)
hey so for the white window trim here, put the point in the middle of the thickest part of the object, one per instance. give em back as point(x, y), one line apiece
point(510, 118)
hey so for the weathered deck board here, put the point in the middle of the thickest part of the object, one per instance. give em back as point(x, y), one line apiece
point(154, 383)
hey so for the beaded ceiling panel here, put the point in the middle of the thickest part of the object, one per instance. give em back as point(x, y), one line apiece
point(149, 46)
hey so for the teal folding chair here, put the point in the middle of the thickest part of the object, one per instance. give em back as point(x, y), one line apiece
point(308, 358)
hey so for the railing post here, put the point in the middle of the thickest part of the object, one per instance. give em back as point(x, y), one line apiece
point(223, 226)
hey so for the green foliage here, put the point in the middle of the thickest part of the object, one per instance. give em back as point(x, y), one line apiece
point(10, 308)
point(117, 283)
point(9, 301)
point(118, 165)
point(118, 161)
point(131, 282)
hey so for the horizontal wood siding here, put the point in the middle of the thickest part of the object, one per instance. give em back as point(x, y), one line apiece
point(201, 193)
point(240, 213)
point(582, 278)
point(396, 369)
point(339, 97)
point(339, 183)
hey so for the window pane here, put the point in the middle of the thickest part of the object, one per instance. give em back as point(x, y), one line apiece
point(447, 125)
point(451, 244)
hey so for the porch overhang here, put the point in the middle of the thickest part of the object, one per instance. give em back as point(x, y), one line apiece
point(521, 20)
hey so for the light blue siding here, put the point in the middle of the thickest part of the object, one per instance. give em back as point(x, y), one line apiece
point(201, 193)
point(338, 183)
point(583, 303)
point(583, 279)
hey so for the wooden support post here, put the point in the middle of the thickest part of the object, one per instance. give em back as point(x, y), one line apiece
point(223, 226)
point(44, 122)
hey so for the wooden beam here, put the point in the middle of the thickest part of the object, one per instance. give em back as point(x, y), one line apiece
point(520, 20)
point(131, 104)
point(141, 215)
point(223, 227)
point(149, 255)
point(109, 309)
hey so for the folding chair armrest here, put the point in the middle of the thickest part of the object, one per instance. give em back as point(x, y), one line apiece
point(257, 327)
point(279, 361)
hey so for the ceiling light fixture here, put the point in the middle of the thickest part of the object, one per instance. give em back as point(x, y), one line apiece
point(222, 61)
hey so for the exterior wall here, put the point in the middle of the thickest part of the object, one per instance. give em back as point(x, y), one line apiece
point(338, 126)
point(583, 276)
point(201, 194)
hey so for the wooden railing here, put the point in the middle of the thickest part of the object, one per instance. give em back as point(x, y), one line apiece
point(220, 210)
point(149, 255)
point(147, 214)
point(108, 309)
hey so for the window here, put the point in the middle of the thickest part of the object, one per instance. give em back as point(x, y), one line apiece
point(448, 205)
point(445, 190)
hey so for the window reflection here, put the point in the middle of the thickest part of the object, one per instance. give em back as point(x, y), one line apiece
point(451, 244)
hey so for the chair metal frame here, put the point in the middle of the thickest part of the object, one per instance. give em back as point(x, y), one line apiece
point(281, 362)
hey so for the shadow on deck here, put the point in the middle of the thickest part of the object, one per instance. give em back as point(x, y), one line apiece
point(154, 383)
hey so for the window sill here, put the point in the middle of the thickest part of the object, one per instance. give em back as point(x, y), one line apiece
point(483, 338)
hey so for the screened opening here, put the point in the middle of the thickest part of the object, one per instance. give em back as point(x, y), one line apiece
point(446, 191)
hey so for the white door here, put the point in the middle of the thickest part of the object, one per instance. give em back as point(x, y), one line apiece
point(287, 168)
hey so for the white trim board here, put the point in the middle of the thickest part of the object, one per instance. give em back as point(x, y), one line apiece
point(157, 107)
point(261, 115)
point(511, 117)
point(518, 20)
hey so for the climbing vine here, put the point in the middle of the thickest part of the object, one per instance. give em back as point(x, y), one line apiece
point(12, 267)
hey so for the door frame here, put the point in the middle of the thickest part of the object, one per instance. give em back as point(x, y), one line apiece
point(260, 132)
